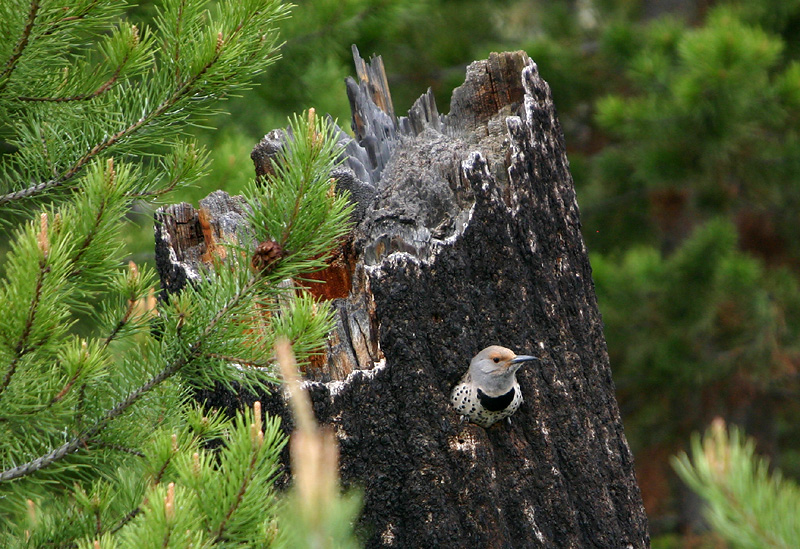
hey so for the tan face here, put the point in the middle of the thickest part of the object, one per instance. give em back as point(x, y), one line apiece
point(496, 361)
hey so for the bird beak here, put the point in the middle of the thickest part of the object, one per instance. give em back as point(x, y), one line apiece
point(523, 358)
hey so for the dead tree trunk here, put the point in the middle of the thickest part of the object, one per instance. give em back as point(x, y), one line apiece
point(468, 235)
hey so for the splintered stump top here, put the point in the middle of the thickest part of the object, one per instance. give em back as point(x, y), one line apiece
point(467, 235)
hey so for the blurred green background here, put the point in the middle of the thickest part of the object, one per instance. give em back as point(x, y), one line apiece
point(681, 121)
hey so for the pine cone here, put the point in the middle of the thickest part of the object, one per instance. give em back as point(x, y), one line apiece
point(265, 256)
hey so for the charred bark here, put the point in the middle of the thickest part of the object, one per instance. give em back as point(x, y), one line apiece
point(468, 235)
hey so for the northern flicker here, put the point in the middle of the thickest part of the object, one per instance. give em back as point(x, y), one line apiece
point(489, 391)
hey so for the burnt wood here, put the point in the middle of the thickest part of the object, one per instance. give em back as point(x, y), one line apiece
point(468, 235)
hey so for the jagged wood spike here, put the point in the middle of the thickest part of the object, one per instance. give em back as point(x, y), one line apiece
point(374, 76)
point(471, 238)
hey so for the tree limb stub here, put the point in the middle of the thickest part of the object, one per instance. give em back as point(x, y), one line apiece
point(467, 235)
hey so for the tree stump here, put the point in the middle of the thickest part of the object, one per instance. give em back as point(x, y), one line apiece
point(467, 235)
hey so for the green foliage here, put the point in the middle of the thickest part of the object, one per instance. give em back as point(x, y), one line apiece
point(679, 133)
point(745, 503)
point(779, 16)
point(691, 214)
point(678, 324)
point(714, 80)
point(298, 202)
point(686, 146)
point(294, 208)
point(714, 112)
point(177, 491)
point(98, 442)
point(681, 128)
point(66, 103)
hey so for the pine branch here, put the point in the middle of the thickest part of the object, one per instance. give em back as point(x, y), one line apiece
point(46, 154)
point(23, 346)
point(22, 43)
point(55, 27)
point(82, 161)
point(120, 448)
point(104, 87)
point(63, 392)
point(56, 398)
point(161, 471)
point(746, 504)
point(121, 323)
point(177, 55)
point(749, 519)
point(53, 401)
point(125, 520)
point(79, 407)
point(30, 191)
point(237, 360)
point(79, 441)
point(168, 188)
point(186, 89)
point(167, 536)
point(98, 220)
point(306, 175)
point(90, 235)
point(132, 514)
point(239, 495)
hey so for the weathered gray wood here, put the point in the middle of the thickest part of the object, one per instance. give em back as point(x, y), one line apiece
point(373, 76)
point(470, 238)
point(186, 237)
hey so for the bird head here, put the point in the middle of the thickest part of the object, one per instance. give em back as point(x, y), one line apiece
point(494, 367)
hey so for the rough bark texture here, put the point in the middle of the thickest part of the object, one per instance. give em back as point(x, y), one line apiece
point(468, 235)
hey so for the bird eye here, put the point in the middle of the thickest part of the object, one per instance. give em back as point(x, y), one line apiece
point(496, 359)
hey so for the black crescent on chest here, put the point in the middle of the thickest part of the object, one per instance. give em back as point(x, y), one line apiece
point(496, 404)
